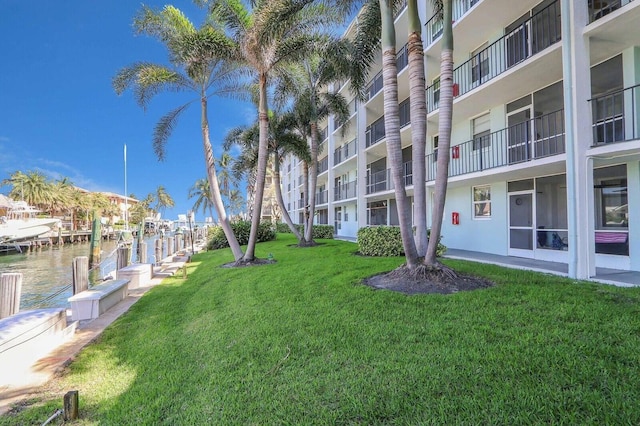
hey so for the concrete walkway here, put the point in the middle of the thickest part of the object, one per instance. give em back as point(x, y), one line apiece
point(603, 275)
point(28, 382)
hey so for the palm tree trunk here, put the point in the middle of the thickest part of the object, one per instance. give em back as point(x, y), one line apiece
point(285, 213)
point(313, 181)
point(418, 105)
point(214, 185)
point(261, 171)
point(444, 133)
point(392, 130)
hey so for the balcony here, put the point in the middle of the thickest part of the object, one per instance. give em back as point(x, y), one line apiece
point(345, 152)
point(599, 8)
point(530, 140)
point(322, 134)
point(301, 204)
point(382, 181)
point(615, 116)
point(402, 60)
point(376, 131)
point(433, 27)
point(322, 197)
point(528, 39)
point(346, 191)
point(323, 165)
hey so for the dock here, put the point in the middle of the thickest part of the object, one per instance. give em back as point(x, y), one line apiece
point(16, 385)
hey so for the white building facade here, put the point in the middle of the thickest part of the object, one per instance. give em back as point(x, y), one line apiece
point(545, 156)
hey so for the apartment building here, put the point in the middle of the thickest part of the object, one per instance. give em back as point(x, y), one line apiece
point(545, 155)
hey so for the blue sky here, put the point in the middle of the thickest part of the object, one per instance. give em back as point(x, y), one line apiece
point(60, 115)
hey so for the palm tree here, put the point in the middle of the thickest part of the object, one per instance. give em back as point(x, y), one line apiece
point(225, 175)
point(418, 112)
point(163, 199)
point(282, 139)
point(380, 15)
point(444, 132)
point(271, 35)
point(307, 84)
point(236, 201)
point(202, 192)
point(202, 62)
point(32, 187)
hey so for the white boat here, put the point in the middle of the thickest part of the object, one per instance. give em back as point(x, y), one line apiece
point(21, 223)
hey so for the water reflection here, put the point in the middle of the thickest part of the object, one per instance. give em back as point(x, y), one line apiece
point(46, 272)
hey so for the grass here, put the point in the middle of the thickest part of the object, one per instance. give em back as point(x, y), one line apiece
point(303, 342)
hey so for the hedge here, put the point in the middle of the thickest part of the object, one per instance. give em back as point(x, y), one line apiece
point(241, 229)
point(385, 241)
point(319, 231)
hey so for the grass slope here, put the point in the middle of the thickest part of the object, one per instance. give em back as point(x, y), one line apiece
point(302, 342)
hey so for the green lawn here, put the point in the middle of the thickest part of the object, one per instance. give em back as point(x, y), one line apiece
point(303, 342)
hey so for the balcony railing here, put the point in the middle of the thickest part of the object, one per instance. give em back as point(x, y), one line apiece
point(352, 107)
point(530, 140)
point(599, 8)
point(301, 204)
point(346, 191)
point(615, 116)
point(345, 152)
point(375, 132)
point(322, 197)
point(322, 134)
point(434, 24)
point(382, 181)
point(399, 8)
point(323, 165)
point(402, 60)
point(529, 38)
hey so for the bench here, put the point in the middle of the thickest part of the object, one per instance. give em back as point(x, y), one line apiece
point(612, 243)
point(27, 336)
point(92, 303)
point(139, 275)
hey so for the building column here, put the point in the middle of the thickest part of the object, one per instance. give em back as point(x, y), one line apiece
point(633, 200)
point(361, 170)
point(578, 139)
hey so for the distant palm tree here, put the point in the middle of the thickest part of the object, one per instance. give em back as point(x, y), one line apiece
point(225, 174)
point(236, 201)
point(200, 190)
point(202, 62)
point(282, 139)
point(32, 187)
point(163, 199)
point(307, 84)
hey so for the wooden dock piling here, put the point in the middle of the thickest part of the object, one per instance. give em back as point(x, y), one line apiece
point(10, 292)
point(80, 274)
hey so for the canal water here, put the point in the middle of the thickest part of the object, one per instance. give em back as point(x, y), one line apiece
point(46, 272)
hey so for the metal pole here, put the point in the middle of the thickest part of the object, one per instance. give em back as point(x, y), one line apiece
point(191, 233)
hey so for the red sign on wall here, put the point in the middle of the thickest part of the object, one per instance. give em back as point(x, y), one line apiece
point(455, 218)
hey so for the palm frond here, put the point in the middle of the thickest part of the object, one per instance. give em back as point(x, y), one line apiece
point(148, 80)
point(163, 130)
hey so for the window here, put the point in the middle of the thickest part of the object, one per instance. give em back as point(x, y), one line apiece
point(481, 132)
point(479, 64)
point(481, 201)
point(435, 148)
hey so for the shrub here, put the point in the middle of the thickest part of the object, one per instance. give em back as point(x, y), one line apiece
point(319, 231)
point(323, 231)
point(241, 229)
point(380, 241)
point(386, 241)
